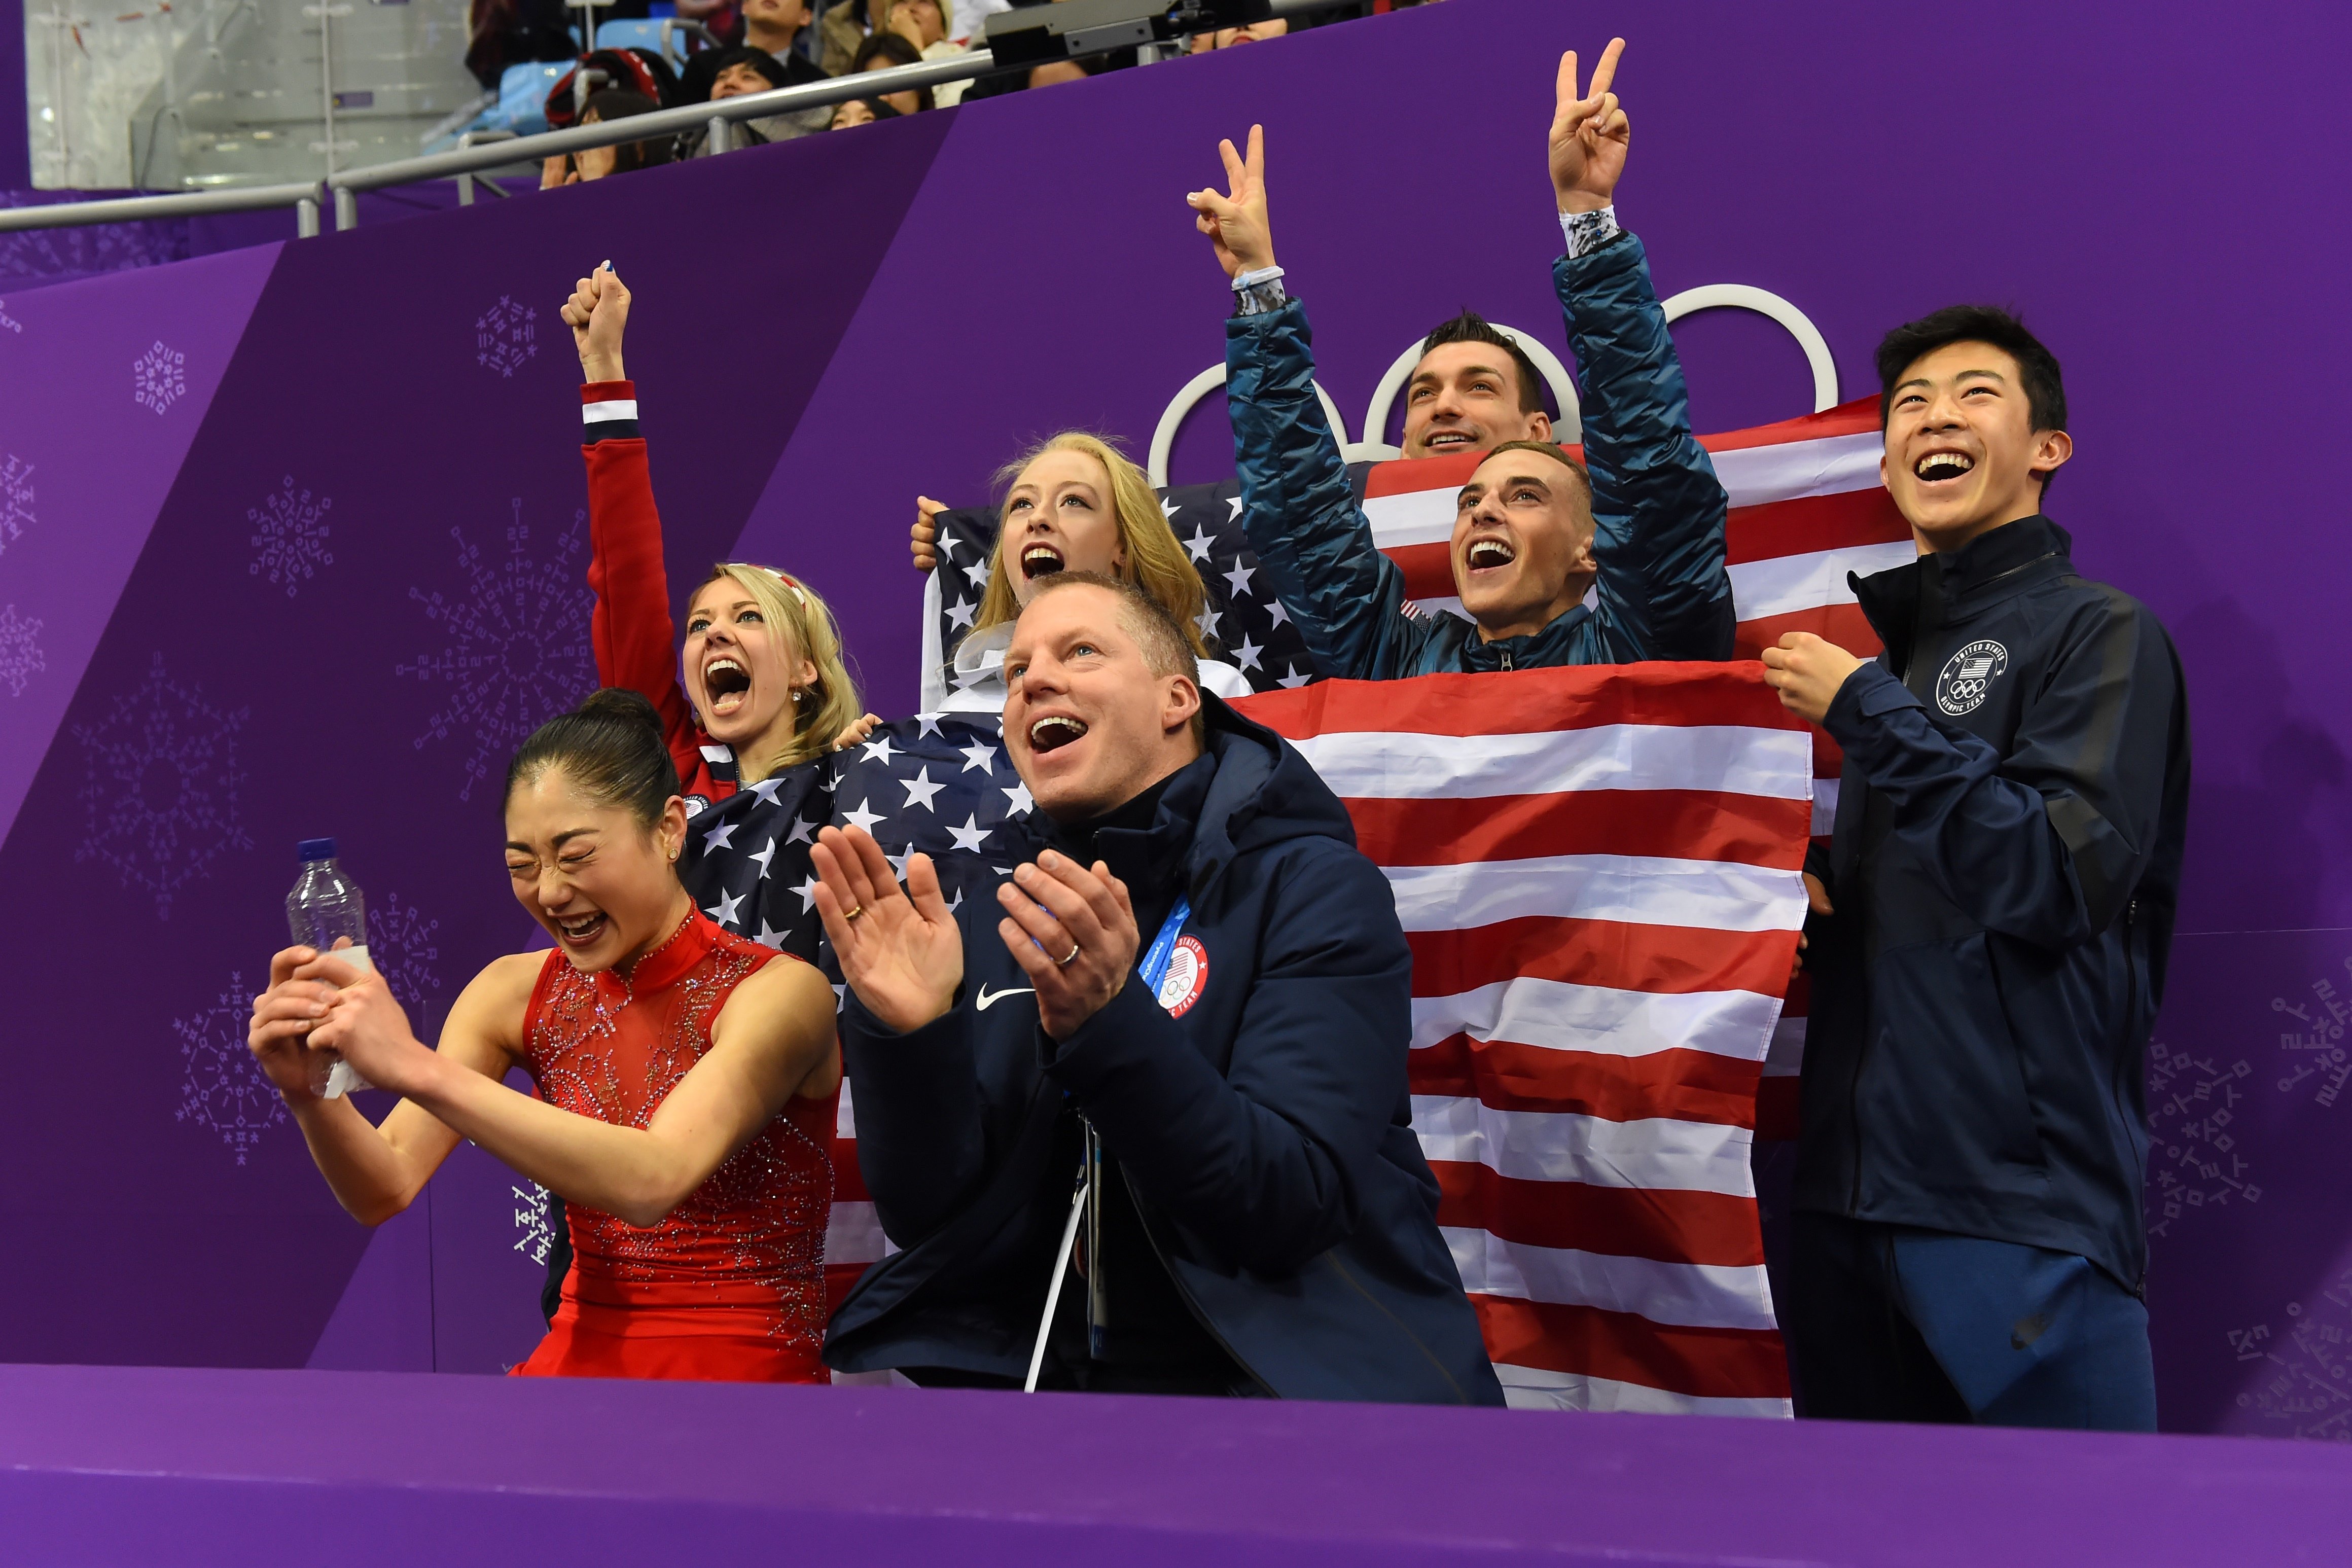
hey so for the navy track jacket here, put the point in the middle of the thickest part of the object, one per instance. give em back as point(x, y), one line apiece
point(1265, 1135)
point(1658, 507)
point(2005, 870)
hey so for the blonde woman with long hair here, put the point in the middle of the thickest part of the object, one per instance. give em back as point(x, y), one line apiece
point(1074, 503)
point(757, 693)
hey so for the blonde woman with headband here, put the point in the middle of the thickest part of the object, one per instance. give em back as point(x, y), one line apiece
point(1076, 503)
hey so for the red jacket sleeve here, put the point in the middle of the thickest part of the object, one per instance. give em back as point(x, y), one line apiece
point(635, 640)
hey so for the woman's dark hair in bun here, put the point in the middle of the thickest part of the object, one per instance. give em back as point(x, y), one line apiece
point(611, 747)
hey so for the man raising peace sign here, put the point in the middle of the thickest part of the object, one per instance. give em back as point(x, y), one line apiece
point(1641, 518)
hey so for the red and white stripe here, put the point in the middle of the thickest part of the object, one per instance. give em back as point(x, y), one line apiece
point(1807, 508)
point(1596, 868)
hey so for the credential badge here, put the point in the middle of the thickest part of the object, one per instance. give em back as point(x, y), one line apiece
point(1967, 676)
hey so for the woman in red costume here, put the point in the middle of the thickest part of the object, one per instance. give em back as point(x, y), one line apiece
point(687, 1078)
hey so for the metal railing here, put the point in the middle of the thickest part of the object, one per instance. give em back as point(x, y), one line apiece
point(481, 151)
point(303, 199)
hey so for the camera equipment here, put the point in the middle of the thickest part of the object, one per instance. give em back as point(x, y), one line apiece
point(1033, 35)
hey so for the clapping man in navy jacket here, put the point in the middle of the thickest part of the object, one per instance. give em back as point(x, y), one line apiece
point(1193, 979)
point(1641, 519)
point(1989, 930)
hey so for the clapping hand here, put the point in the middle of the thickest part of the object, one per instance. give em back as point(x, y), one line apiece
point(1589, 136)
point(900, 948)
point(1235, 221)
point(598, 313)
point(1073, 930)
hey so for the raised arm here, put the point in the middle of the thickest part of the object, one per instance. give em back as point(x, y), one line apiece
point(1298, 510)
point(1664, 591)
point(636, 642)
point(773, 1039)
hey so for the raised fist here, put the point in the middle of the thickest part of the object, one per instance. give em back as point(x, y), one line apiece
point(927, 532)
point(1589, 136)
point(598, 313)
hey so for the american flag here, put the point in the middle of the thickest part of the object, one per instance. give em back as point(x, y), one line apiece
point(1807, 508)
point(1596, 868)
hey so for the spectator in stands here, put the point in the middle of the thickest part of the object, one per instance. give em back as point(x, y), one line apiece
point(882, 52)
point(770, 28)
point(1264, 1221)
point(1536, 530)
point(840, 29)
point(1991, 929)
point(1226, 37)
point(920, 22)
point(596, 162)
point(861, 112)
point(1076, 504)
point(717, 75)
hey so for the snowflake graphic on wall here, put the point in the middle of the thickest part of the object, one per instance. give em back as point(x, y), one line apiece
point(289, 530)
point(2310, 1391)
point(222, 1087)
point(2193, 1158)
point(537, 1234)
point(518, 651)
point(505, 336)
point(163, 785)
point(159, 379)
point(20, 650)
point(2316, 1063)
point(403, 946)
point(15, 499)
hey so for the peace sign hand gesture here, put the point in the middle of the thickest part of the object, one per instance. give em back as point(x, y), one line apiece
point(1235, 222)
point(1589, 136)
point(900, 950)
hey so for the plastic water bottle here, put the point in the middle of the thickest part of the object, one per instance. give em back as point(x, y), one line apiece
point(325, 906)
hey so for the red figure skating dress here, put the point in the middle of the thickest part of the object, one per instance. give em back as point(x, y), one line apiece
point(731, 1285)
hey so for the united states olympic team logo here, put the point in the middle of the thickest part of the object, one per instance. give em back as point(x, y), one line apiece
point(1187, 976)
point(1967, 676)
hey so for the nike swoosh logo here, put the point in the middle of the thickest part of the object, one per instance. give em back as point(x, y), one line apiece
point(979, 1003)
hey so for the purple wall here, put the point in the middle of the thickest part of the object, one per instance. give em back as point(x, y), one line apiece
point(824, 328)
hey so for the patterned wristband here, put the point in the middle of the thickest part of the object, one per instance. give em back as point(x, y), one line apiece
point(1588, 232)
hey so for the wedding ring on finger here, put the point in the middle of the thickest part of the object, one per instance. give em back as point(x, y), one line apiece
point(1063, 960)
point(851, 913)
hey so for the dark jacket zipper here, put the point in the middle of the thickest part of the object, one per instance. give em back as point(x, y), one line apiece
point(1184, 1294)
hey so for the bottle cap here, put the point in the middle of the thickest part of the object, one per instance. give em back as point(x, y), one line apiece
point(316, 850)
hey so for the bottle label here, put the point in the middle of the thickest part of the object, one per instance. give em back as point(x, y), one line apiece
point(341, 1078)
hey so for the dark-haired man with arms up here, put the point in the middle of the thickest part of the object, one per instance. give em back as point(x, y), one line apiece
point(1534, 530)
point(1990, 932)
point(1192, 963)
